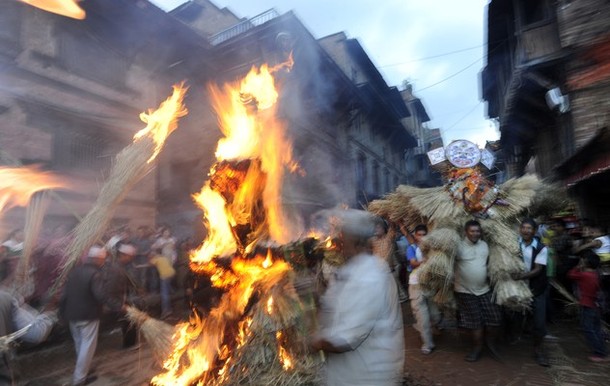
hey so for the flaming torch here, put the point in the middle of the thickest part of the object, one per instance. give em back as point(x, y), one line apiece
point(130, 165)
point(251, 335)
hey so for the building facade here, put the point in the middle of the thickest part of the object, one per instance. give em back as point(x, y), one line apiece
point(547, 82)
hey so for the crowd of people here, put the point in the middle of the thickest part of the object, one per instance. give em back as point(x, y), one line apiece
point(380, 274)
point(146, 269)
point(553, 259)
point(358, 312)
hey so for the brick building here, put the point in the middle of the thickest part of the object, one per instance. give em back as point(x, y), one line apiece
point(547, 81)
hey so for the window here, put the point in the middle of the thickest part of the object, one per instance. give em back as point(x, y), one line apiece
point(533, 11)
point(72, 149)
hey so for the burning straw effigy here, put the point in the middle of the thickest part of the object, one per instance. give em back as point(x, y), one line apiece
point(467, 195)
point(256, 333)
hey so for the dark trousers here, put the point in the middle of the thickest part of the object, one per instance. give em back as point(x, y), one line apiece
point(590, 322)
point(539, 316)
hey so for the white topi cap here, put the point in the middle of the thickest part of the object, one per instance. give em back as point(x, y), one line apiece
point(127, 249)
point(98, 252)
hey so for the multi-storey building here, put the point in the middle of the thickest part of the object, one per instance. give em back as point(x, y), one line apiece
point(547, 81)
point(72, 90)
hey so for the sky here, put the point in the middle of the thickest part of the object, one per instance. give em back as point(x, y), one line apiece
point(437, 45)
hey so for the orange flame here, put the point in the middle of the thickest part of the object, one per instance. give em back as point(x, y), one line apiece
point(246, 113)
point(268, 260)
point(162, 122)
point(242, 205)
point(18, 184)
point(67, 8)
point(285, 358)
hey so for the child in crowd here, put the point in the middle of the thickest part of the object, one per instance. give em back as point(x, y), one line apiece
point(587, 279)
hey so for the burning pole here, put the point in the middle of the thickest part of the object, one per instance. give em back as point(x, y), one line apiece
point(26, 186)
point(254, 335)
point(130, 166)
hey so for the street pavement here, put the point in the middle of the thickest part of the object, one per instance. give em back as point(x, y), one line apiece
point(52, 363)
point(446, 364)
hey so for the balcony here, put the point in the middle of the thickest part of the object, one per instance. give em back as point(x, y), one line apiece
point(242, 27)
point(537, 44)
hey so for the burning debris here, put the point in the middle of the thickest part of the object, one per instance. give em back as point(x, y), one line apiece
point(256, 332)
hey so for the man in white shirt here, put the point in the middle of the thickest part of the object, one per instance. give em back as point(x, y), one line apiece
point(534, 255)
point(361, 327)
point(477, 312)
point(425, 311)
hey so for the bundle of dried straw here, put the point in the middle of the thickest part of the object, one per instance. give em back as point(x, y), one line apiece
point(157, 333)
point(24, 282)
point(130, 166)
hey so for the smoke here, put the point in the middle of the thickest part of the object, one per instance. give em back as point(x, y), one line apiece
point(308, 105)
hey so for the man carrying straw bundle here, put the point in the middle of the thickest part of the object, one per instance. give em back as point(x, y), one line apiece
point(424, 309)
point(477, 312)
point(361, 326)
point(534, 255)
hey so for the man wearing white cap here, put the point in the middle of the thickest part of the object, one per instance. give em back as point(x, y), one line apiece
point(119, 285)
point(361, 327)
point(81, 305)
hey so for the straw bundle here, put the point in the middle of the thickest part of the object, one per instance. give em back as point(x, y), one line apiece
point(501, 234)
point(35, 212)
point(437, 205)
point(550, 199)
point(436, 273)
point(445, 299)
point(515, 295)
point(7, 340)
point(517, 194)
point(441, 239)
point(281, 308)
point(502, 264)
point(130, 166)
point(276, 326)
point(157, 333)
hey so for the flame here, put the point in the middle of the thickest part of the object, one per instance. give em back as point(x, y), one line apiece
point(162, 122)
point(268, 260)
point(68, 8)
point(242, 206)
point(18, 184)
point(285, 358)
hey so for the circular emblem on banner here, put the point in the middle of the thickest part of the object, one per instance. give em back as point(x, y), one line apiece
point(463, 154)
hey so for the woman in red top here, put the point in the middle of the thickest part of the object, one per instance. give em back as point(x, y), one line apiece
point(586, 277)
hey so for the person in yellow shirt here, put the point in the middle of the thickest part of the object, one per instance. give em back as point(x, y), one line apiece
point(166, 274)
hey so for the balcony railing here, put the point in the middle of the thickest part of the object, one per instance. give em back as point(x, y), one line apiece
point(243, 26)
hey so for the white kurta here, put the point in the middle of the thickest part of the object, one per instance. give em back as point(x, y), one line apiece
point(361, 311)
